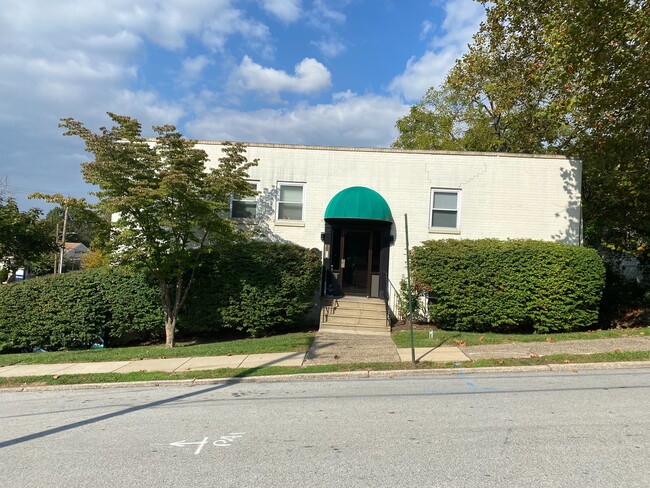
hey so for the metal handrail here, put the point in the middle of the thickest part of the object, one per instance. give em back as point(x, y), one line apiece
point(328, 310)
point(393, 299)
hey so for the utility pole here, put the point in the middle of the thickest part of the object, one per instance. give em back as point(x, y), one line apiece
point(65, 226)
point(408, 286)
point(56, 241)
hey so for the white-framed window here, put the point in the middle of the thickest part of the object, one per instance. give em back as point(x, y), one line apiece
point(291, 201)
point(244, 207)
point(445, 208)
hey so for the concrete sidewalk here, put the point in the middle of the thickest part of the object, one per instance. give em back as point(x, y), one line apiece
point(338, 349)
point(171, 365)
point(538, 349)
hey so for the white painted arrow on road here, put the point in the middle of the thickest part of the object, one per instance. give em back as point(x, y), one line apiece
point(199, 444)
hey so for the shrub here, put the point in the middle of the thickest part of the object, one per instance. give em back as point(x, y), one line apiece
point(75, 310)
point(508, 286)
point(418, 303)
point(626, 301)
point(135, 309)
point(256, 287)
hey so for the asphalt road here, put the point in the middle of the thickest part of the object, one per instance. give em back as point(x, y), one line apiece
point(555, 429)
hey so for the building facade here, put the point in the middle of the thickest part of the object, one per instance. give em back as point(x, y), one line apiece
point(350, 204)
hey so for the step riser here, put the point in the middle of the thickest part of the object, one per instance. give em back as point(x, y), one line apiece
point(344, 304)
point(334, 320)
point(354, 330)
point(358, 315)
point(361, 310)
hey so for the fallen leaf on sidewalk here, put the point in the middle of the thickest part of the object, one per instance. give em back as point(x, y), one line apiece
point(617, 350)
point(336, 356)
point(550, 339)
point(533, 355)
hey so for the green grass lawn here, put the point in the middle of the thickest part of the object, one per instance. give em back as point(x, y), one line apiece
point(455, 338)
point(282, 343)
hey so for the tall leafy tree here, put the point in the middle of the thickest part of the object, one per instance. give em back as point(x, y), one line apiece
point(24, 237)
point(567, 77)
point(168, 207)
point(590, 61)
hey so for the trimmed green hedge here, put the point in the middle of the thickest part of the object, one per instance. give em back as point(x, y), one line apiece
point(253, 286)
point(508, 286)
point(258, 288)
point(76, 310)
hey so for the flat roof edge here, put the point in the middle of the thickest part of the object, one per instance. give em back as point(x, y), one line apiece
point(381, 150)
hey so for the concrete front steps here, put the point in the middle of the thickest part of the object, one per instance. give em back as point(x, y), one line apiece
point(354, 315)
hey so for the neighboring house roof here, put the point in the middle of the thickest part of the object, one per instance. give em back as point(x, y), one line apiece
point(74, 249)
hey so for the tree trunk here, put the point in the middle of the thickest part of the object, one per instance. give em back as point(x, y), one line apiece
point(172, 303)
point(170, 328)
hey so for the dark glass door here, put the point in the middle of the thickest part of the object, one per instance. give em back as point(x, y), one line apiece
point(355, 247)
point(356, 260)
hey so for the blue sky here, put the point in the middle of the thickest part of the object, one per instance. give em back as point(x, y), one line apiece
point(318, 72)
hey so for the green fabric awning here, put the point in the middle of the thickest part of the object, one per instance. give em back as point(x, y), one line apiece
point(358, 202)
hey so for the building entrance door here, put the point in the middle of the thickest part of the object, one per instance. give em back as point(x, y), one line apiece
point(356, 261)
point(355, 250)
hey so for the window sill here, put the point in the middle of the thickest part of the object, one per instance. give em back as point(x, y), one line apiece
point(289, 223)
point(443, 230)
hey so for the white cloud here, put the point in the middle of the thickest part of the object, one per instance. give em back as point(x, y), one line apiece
point(310, 77)
point(81, 59)
point(228, 22)
point(193, 67)
point(422, 73)
point(426, 28)
point(69, 56)
point(324, 13)
point(328, 18)
point(330, 47)
point(350, 120)
point(286, 10)
point(462, 18)
point(167, 24)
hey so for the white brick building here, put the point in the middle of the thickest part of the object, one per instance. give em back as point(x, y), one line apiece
point(445, 195)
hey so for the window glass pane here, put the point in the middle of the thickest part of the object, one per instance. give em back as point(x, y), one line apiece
point(444, 218)
point(290, 211)
point(291, 194)
point(445, 200)
point(244, 199)
point(244, 209)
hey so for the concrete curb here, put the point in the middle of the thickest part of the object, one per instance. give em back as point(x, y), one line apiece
point(343, 375)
